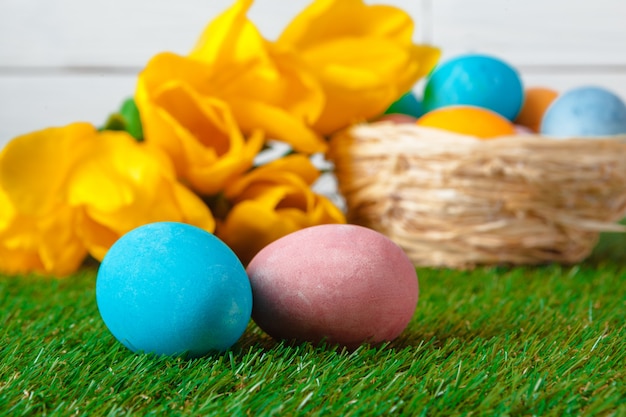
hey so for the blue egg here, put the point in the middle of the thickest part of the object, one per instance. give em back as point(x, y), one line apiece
point(475, 80)
point(408, 104)
point(585, 112)
point(173, 289)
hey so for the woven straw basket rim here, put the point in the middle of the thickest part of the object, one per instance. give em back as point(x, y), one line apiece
point(456, 201)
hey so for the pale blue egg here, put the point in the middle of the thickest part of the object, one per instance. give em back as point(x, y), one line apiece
point(173, 289)
point(475, 80)
point(586, 111)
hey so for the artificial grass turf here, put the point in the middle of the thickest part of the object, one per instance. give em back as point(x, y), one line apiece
point(547, 340)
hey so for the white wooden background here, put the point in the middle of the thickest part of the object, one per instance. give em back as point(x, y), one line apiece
point(68, 60)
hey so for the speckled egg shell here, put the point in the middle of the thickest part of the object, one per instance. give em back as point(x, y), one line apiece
point(476, 80)
point(170, 288)
point(342, 284)
point(586, 111)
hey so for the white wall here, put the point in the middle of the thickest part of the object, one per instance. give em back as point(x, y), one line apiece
point(70, 60)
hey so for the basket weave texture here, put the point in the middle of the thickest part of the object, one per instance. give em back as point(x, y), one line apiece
point(456, 201)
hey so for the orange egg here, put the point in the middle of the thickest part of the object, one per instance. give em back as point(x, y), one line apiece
point(536, 102)
point(468, 120)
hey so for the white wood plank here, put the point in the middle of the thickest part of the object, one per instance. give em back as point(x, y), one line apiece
point(98, 33)
point(122, 33)
point(534, 32)
point(29, 103)
point(126, 33)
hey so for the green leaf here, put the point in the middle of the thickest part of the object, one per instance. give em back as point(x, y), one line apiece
point(114, 122)
point(126, 119)
point(130, 112)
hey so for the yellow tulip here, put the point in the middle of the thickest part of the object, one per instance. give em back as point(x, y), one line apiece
point(37, 227)
point(123, 185)
point(69, 191)
point(47, 245)
point(272, 201)
point(34, 168)
point(198, 132)
point(185, 102)
point(363, 56)
point(266, 86)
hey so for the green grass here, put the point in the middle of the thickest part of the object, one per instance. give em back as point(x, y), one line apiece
point(500, 341)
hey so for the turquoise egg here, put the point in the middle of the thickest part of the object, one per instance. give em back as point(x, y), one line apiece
point(173, 289)
point(407, 104)
point(475, 80)
point(586, 111)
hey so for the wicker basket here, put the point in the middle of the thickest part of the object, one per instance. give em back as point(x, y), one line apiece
point(456, 201)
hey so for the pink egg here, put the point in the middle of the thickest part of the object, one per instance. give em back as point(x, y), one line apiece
point(397, 118)
point(342, 284)
point(523, 130)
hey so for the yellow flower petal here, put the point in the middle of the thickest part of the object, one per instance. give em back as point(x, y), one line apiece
point(110, 173)
point(213, 149)
point(61, 250)
point(250, 227)
point(278, 124)
point(100, 229)
point(266, 87)
point(230, 35)
point(243, 64)
point(7, 211)
point(274, 172)
point(142, 189)
point(197, 131)
point(192, 209)
point(327, 20)
point(47, 245)
point(272, 201)
point(34, 167)
point(38, 231)
point(105, 184)
point(254, 223)
point(97, 237)
point(362, 55)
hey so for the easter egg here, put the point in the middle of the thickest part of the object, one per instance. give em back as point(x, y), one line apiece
point(340, 284)
point(523, 130)
point(173, 289)
point(468, 120)
point(397, 118)
point(477, 80)
point(536, 102)
point(407, 104)
point(586, 111)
